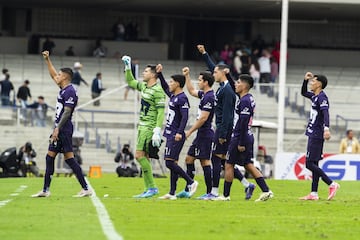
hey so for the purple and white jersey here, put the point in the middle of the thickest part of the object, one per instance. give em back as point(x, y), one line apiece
point(317, 120)
point(177, 115)
point(67, 98)
point(244, 112)
point(207, 103)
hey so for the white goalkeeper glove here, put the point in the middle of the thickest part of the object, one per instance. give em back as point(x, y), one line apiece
point(127, 62)
point(156, 137)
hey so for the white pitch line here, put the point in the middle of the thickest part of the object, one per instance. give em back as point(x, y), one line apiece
point(14, 194)
point(104, 218)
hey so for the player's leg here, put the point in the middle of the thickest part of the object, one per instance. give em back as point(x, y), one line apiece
point(49, 172)
point(245, 160)
point(172, 152)
point(190, 170)
point(206, 166)
point(142, 148)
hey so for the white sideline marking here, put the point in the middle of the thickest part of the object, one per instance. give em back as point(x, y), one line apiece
point(14, 194)
point(4, 202)
point(104, 218)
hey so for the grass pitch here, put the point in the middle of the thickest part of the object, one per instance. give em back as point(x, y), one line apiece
point(284, 217)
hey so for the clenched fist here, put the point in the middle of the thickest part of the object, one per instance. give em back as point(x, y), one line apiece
point(201, 48)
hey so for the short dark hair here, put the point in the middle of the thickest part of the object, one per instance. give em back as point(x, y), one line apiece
point(180, 79)
point(27, 81)
point(207, 76)
point(4, 71)
point(41, 97)
point(248, 79)
point(348, 131)
point(322, 79)
point(98, 74)
point(152, 68)
point(222, 66)
point(68, 71)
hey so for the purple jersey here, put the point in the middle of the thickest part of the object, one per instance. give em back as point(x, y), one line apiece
point(177, 115)
point(207, 103)
point(244, 112)
point(67, 98)
point(319, 113)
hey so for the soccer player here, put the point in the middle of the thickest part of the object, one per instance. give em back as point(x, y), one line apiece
point(242, 141)
point(176, 120)
point(61, 138)
point(317, 130)
point(201, 146)
point(151, 120)
point(224, 112)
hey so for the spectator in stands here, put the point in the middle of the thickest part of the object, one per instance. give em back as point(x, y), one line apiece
point(265, 70)
point(131, 31)
point(99, 50)
point(118, 31)
point(48, 45)
point(39, 112)
point(77, 79)
point(70, 51)
point(255, 73)
point(26, 159)
point(4, 72)
point(6, 87)
point(349, 144)
point(96, 88)
point(237, 65)
point(23, 94)
point(226, 54)
point(245, 62)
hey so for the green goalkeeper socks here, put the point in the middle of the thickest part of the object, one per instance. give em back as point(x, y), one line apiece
point(147, 171)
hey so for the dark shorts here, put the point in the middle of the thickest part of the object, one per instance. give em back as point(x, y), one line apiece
point(63, 145)
point(240, 158)
point(314, 149)
point(173, 148)
point(220, 148)
point(201, 146)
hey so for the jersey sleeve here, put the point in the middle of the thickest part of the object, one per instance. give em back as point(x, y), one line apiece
point(70, 99)
point(184, 109)
point(159, 100)
point(244, 119)
point(131, 81)
point(208, 104)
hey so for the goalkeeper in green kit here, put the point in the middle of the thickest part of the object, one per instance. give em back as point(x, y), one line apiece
point(151, 121)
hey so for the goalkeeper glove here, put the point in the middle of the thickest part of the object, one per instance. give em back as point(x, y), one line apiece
point(127, 62)
point(156, 138)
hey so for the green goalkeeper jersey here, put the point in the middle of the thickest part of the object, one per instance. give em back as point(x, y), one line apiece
point(152, 102)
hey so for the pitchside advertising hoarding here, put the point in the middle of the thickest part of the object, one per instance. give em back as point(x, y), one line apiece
point(336, 166)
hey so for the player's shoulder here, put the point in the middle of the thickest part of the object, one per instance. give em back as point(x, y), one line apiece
point(158, 89)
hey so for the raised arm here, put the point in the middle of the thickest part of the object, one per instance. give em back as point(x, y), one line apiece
point(131, 81)
point(304, 90)
point(51, 68)
point(190, 87)
point(164, 84)
point(209, 62)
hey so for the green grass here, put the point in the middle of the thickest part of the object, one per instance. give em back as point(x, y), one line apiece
point(283, 217)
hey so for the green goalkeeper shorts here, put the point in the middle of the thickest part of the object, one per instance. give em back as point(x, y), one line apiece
point(143, 140)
